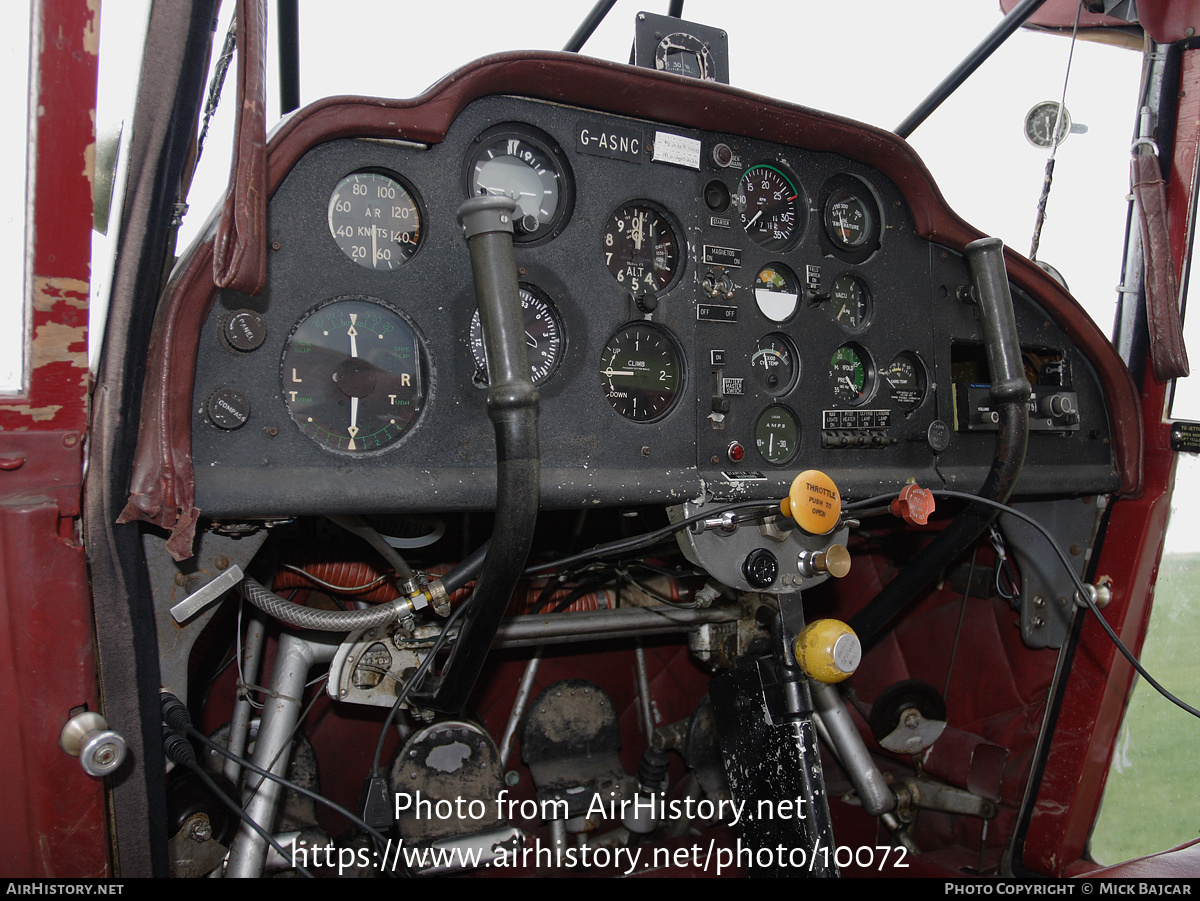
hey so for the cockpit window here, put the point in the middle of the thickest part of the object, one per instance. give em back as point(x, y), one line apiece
point(14, 142)
point(820, 56)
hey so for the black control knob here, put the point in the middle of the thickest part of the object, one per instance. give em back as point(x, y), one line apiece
point(227, 408)
point(1057, 406)
point(647, 303)
point(243, 330)
point(760, 568)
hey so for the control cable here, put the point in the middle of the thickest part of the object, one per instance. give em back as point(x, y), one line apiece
point(1081, 590)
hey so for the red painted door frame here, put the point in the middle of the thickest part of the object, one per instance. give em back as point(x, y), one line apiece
point(54, 814)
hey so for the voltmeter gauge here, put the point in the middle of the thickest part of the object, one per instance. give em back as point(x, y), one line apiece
point(850, 303)
point(775, 364)
point(777, 434)
point(906, 380)
point(353, 375)
point(851, 374)
point(641, 372)
point(524, 164)
point(771, 207)
point(642, 249)
point(777, 292)
point(544, 335)
point(375, 220)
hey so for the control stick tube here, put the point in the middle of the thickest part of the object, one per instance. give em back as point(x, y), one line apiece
point(512, 405)
point(1010, 391)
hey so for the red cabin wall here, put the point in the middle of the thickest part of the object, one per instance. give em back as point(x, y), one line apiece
point(53, 823)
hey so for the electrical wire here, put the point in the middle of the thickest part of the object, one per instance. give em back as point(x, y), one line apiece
point(245, 817)
point(416, 679)
point(642, 541)
point(341, 589)
point(285, 782)
point(1080, 588)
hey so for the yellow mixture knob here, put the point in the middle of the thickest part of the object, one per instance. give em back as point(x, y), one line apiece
point(828, 650)
point(813, 502)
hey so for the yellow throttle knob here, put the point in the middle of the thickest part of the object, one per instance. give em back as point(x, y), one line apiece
point(813, 502)
point(828, 650)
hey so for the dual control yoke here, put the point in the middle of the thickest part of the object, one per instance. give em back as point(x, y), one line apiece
point(769, 706)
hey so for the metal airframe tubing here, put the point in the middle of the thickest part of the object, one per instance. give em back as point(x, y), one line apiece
point(296, 655)
point(976, 58)
point(239, 724)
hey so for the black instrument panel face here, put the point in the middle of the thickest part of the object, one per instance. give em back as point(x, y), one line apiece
point(703, 311)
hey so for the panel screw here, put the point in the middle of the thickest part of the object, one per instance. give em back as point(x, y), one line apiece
point(222, 562)
point(645, 452)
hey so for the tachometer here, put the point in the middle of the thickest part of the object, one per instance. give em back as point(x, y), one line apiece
point(641, 372)
point(522, 163)
point(641, 249)
point(353, 375)
point(375, 220)
point(770, 205)
point(544, 336)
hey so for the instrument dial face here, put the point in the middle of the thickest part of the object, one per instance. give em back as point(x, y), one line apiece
point(850, 303)
point(770, 207)
point(375, 220)
point(353, 375)
point(851, 374)
point(641, 372)
point(775, 364)
point(777, 434)
point(906, 380)
point(850, 216)
point(524, 164)
point(848, 220)
point(642, 250)
point(777, 292)
point(544, 336)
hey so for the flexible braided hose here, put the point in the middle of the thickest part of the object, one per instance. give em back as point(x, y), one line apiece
point(311, 618)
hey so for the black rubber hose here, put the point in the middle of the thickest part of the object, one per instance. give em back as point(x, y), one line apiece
point(1010, 392)
point(512, 405)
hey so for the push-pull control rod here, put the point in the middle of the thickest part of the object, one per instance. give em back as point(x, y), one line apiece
point(1010, 392)
point(512, 404)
